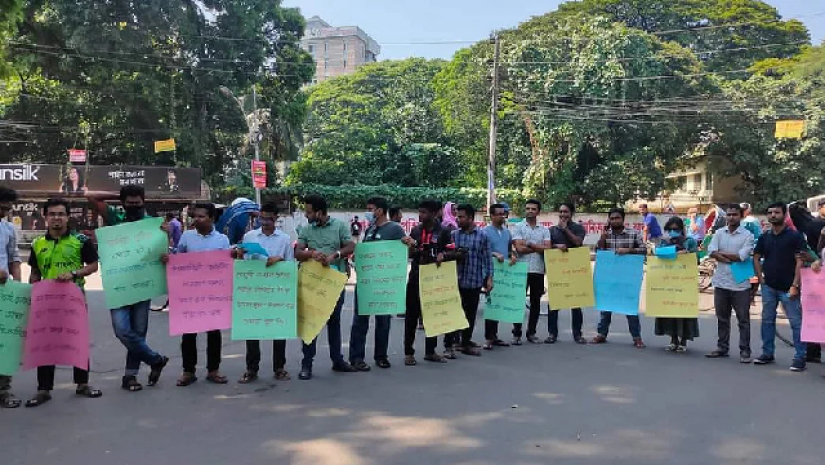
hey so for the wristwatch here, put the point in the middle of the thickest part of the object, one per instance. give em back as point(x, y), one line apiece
point(74, 274)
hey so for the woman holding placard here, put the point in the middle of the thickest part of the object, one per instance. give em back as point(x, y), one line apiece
point(680, 330)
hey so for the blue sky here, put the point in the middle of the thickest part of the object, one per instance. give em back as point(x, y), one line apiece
point(397, 23)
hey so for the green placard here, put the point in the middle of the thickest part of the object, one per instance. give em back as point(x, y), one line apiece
point(506, 302)
point(264, 301)
point(15, 300)
point(381, 267)
point(130, 261)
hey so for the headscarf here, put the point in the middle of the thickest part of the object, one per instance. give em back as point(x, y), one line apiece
point(449, 220)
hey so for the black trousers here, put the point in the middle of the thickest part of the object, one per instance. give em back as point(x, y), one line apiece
point(45, 377)
point(469, 303)
point(253, 355)
point(727, 302)
point(189, 351)
point(411, 319)
point(535, 284)
point(575, 314)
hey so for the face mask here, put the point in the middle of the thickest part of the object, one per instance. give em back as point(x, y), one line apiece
point(674, 234)
point(369, 216)
point(133, 212)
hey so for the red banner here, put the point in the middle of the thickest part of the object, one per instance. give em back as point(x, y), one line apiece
point(77, 156)
point(258, 174)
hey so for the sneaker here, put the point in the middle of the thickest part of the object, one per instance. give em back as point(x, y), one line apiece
point(305, 374)
point(764, 360)
point(798, 366)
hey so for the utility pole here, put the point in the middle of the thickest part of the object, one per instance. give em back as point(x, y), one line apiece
point(491, 162)
point(256, 135)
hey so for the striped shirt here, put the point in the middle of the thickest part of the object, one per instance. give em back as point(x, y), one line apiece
point(8, 246)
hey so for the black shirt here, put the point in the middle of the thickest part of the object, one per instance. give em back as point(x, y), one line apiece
point(557, 236)
point(779, 252)
point(429, 244)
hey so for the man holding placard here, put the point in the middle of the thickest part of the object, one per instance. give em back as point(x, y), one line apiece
point(566, 235)
point(475, 272)
point(430, 241)
point(326, 240)
point(501, 248)
point(278, 247)
point(622, 241)
point(131, 322)
point(530, 240)
point(379, 228)
point(65, 257)
point(204, 238)
point(9, 267)
point(780, 277)
point(731, 247)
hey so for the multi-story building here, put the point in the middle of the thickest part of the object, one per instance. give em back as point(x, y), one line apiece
point(337, 50)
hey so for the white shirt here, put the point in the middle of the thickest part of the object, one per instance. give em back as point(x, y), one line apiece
point(277, 244)
point(532, 236)
point(738, 242)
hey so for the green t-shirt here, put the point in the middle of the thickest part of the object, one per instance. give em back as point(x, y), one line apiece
point(115, 216)
point(327, 238)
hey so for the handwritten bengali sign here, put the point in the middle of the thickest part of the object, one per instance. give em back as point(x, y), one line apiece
point(131, 269)
point(381, 267)
point(57, 332)
point(200, 292)
point(319, 288)
point(440, 301)
point(15, 299)
point(813, 306)
point(569, 278)
point(618, 282)
point(672, 291)
point(264, 301)
point(506, 303)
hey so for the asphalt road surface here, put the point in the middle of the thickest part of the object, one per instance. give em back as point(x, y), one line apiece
point(535, 404)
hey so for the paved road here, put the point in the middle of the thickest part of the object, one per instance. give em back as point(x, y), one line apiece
point(539, 404)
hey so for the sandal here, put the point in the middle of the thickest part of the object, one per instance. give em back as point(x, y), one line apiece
point(130, 383)
point(533, 340)
point(436, 358)
point(581, 340)
point(217, 378)
point(39, 399)
point(448, 354)
point(382, 363)
point(551, 340)
point(154, 375)
point(487, 346)
point(500, 343)
point(88, 392)
point(681, 349)
point(186, 379)
point(671, 347)
point(7, 400)
point(410, 361)
point(517, 341)
point(471, 351)
point(599, 339)
point(248, 377)
point(282, 375)
point(639, 344)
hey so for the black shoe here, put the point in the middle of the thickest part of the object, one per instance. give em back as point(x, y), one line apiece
point(383, 363)
point(359, 366)
point(798, 366)
point(717, 354)
point(305, 374)
point(157, 369)
point(343, 367)
point(550, 339)
point(764, 360)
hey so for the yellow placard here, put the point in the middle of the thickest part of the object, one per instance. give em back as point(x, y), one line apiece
point(569, 278)
point(790, 129)
point(440, 302)
point(167, 145)
point(319, 288)
point(671, 290)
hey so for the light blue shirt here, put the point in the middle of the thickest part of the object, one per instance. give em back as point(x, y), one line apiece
point(278, 244)
point(192, 241)
point(738, 242)
point(499, 240)
point(9, 252)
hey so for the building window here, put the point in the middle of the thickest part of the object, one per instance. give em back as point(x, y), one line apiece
point(311, 49)
point(345, 63)
point(326, 63)
point(697, 182)
point(683, 183)
point(326, 47)
point(345, 46)
point(708, 181)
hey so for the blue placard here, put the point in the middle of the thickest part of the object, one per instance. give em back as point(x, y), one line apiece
point(668, 251)
point(618, 282)
point(253, 248)
point(742, 271)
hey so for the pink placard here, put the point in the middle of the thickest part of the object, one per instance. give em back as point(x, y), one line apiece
point(200, 291)
point(57, 332)
point(813, 306)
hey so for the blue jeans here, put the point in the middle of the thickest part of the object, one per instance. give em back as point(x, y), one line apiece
point(633, 325)
point(130, 324)
point(793, 309)
point(333, 338)
point(358, 335)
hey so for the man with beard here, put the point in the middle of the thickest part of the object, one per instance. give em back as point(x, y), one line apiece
point(530, 240)
point(564, 236)
point(131, 322)
point(780, 279)
point(9, 268)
